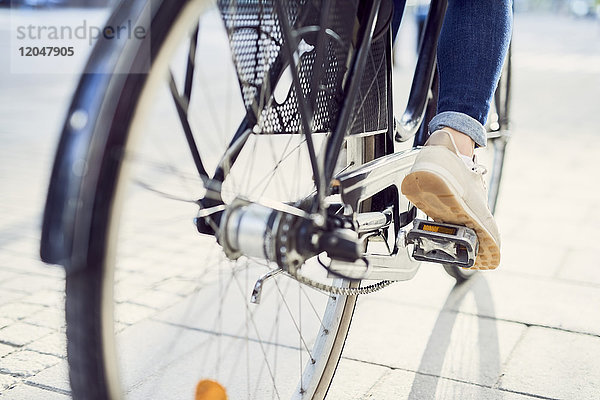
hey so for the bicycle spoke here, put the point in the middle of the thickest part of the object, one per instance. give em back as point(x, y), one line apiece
point(302, 341)
point(274, 332)
point(300, 337)
point(283, 183)
point(269, 175)
point(248, 344)
point(312, 306)
point(260, 342)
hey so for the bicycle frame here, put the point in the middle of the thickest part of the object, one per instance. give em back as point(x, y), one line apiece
point(60, 237)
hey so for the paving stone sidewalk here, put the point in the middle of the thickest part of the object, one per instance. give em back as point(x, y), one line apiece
point(529, 330)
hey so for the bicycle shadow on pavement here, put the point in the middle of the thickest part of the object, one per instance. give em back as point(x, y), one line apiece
point(425, 385)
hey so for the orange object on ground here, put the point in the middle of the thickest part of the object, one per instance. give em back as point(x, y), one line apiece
point(210, 390)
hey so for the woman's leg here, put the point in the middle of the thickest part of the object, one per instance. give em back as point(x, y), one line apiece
point(444, 181)
point(471, 50)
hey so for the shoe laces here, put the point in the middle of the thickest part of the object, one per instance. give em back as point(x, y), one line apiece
point(480, 169)
point(473, 165)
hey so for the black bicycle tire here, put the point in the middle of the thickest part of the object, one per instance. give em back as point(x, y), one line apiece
point(90, 375)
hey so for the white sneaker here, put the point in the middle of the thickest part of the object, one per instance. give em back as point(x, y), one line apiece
point(449, 187)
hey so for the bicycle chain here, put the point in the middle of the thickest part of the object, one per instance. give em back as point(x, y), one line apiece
point(344, 291)
point(330, 289)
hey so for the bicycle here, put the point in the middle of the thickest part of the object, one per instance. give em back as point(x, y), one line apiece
point(260, 291)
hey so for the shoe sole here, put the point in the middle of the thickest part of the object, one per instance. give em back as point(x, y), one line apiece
point(431, 194)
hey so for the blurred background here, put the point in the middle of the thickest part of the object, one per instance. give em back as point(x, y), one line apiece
point(580, 8)
point(533, 325)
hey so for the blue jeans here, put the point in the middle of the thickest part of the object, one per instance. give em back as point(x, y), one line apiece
point(471, 51)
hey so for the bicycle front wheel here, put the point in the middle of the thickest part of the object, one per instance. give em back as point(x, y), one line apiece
point(492, 156)
point(155, 307)
point(499, 131)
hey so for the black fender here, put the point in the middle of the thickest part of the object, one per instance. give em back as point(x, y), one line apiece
point(99, 107)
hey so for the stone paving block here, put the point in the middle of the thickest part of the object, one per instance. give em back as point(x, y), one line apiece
point(18, 311)
point(20, 334)
point(33, 283)
point(120, 327)
point(177, 286)
point(48, 298)
point(441, 343)
point(155, 299)
point(28, 392)
point(537, 301)
point(581, 266)
point(128, 313)
point(6, 381)
point(430, 288)
point(530, 258)
point(6, 349)
point(507, 223)
point(353, 379)
point(26, 246)
point(26, 363)
point(30, 264)
point(124, 291)
point(534, 206)
point(142, 278)
point(6, 276)
point(576, 236)
point(8, 296)
point(54, 377)
point(408, 385)
point(5, 322)
point(593, 214)
point(53, 344)
point(555, 364)
point(53, 318)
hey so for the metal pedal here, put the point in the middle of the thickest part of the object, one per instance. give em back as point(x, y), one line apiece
point(443, 243)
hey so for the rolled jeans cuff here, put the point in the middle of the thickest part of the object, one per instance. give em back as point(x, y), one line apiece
point(462, 123)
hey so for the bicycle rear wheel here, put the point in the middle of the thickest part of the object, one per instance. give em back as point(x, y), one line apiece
point(156, 307)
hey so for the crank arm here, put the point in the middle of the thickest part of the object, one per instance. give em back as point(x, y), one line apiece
point(397, 266)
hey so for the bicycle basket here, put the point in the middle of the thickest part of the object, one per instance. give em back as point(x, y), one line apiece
point(256, 41)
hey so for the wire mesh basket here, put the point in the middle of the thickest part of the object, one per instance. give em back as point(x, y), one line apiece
point(256, 40)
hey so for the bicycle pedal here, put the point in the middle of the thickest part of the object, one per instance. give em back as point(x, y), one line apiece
point(443, 243)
